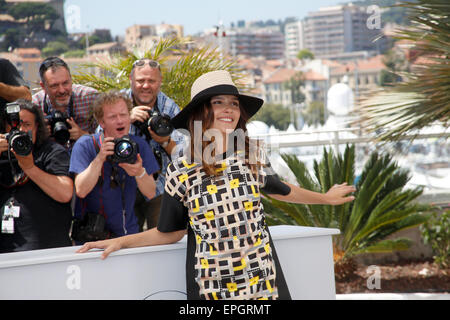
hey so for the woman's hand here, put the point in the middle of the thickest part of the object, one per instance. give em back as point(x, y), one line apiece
point(109, 246)
point(336, 195)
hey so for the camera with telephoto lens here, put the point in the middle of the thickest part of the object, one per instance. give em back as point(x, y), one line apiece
point(59, 126)
point(125, 150)
point(159, 123)
point(20, 141)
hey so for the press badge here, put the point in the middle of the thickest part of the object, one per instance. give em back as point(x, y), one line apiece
point(11, 211)
point(8, 225)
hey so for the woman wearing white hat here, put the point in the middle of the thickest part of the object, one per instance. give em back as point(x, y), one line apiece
point(216, 197)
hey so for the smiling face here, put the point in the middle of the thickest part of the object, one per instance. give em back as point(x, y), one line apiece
point(58, 86)
point(226, 113)
point(145, 84)
point(116, 119)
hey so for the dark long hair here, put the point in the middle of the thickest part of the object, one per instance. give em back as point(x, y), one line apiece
point(205, 114)
point(42, 133)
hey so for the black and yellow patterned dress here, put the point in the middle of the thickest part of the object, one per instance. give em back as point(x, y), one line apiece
point(230, 253)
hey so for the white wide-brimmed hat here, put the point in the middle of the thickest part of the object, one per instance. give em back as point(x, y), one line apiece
point(212, 84)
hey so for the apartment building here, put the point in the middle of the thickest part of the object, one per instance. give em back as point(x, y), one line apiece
point(140, 35)
point(106, 49)
point(294, 38)
point(363, 75)
point(337, 30)
point(255, 42)
point(136, 33)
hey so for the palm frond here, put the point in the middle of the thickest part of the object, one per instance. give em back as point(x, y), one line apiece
point(382, 206)
point(180, 67)
point(423, 98)
point(386, 246)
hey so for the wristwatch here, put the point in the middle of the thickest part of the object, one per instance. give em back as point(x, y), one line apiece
point(165, 143)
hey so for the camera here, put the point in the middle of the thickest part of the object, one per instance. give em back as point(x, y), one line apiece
point(125, 150)
point(59, 126)
point(90, 228)
point(21, 142)
point(159, 123)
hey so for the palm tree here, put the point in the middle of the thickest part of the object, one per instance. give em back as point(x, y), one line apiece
point(382, 206)
point(180, 68)
point(422, 99)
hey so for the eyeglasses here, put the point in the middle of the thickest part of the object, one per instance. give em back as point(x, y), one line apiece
point(151, 63)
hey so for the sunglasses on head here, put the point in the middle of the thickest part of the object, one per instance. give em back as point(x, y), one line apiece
point(52, 62)
point(142, 62)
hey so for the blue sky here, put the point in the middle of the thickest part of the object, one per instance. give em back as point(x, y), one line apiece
point(194, 15)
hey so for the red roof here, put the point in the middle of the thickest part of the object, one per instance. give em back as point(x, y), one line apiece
point(373, 63)
point(280, 76)
point(313, 76)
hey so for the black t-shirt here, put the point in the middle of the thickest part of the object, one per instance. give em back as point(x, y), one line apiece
point(43, 222)
point(10, 76)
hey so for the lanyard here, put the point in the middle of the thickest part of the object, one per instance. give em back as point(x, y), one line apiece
point(69, 106)
point(115, 177)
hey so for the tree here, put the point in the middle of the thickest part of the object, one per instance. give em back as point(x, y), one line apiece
point(314, 113)
point(184, 67)
point(55, 48)
point(36, 15)
point(382, 204)
point(13, 38)
point(422, 99)
point(305, 54)
point(293, 85)
point(273, 115)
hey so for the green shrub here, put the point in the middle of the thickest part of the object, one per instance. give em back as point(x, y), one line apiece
point(436, 232)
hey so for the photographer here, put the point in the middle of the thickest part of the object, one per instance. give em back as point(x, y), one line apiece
point(145, 85)
point(73, 101)
point(12, 85)
point(35, 187)
point(108, 166)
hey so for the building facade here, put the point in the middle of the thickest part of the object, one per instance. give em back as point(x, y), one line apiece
point(267, 43)
point(294, 38)
point(338, 29)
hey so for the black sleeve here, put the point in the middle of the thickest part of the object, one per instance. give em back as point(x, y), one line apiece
point(270, 181)
point(53, 158)
point(10, 75)
point(173, 215)
point(275, 186)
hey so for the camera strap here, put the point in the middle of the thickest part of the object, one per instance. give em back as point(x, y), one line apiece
point(99, 184)
point(70, 106)
point(100, 178)
point(121, 183)
point(19, 178)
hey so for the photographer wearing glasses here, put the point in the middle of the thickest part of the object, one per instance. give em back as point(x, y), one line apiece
point(150, 117)
point(12, 85)
point(109, 167)
point(67, 106)
point(35, 186)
